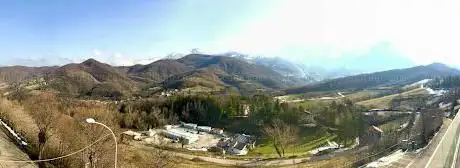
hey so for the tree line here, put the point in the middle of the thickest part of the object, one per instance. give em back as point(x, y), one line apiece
point(259, 115)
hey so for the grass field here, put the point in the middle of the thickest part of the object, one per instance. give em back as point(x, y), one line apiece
point(308, 103)
point(395, 124)
point(384, 102)
point(363, 95)
point(356, 97)
point(309, 140)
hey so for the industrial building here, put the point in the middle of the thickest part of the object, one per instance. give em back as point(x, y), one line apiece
point(177, 134)
point(189, 125)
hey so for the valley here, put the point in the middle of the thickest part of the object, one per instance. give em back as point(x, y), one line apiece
point(229, 83)
point(343, 121)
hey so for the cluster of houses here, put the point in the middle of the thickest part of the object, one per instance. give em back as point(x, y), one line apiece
point(169, 93)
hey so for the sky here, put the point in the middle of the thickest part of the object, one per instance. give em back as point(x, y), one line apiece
point(120, 32)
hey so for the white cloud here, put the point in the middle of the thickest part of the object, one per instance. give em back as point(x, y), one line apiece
point(97, 52)
point(117, 58)
point(146, 61)
point(424, 31)
point(112, 58)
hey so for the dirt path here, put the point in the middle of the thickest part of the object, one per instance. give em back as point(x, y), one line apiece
point(9, 151)
point(252, 163)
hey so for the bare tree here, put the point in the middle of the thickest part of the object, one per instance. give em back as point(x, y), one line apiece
point(18, 92)
point(162, 158)
point(44, 111)
point(282, 135)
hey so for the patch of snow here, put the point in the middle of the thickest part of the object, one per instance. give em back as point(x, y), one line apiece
point(384, 161)
point(422, 82)
point(401, 127)
point(331, 145)
point(324, 98)
point(340, 94)
point(13, 133)
point(295, 101)
point(435, 92)
point(198, 149)
point(329, 98)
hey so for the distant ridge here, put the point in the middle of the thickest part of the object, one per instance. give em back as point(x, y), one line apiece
point(383, 78)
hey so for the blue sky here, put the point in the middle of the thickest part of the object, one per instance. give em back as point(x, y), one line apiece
point(121, 32)
point(138, 30)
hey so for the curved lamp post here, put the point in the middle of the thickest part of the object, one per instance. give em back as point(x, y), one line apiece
point(92, 121)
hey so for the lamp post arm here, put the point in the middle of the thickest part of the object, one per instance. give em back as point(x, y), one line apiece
point(115, 140)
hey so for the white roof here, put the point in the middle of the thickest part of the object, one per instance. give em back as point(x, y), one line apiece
point(204, 127)
point(181, 133)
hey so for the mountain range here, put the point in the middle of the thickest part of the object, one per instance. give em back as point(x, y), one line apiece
point(193, 72)
point(202, 73)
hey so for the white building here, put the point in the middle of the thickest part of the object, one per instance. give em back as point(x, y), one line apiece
point(176, 134)
point(189, 125)
point(203, 128)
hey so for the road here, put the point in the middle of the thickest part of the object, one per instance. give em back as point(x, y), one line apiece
point(252, 163)
point(9, 151)
point(456, 157)
point(442, 151)
point(443, 155)
point(419, 159)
